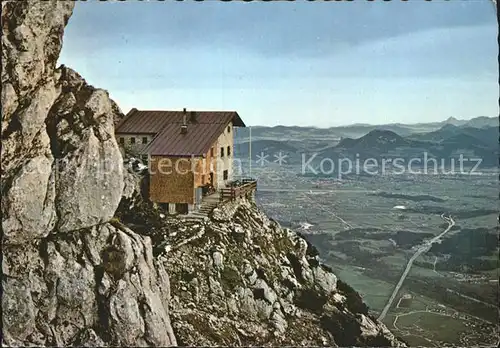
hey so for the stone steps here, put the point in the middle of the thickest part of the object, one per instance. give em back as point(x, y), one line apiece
point(194, 216)
point(207, 205)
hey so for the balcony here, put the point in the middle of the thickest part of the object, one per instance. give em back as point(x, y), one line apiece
point(237, 189)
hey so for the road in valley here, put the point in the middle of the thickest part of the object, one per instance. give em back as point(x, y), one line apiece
point(422, 249)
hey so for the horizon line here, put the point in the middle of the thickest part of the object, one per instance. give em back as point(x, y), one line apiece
point(371, 124)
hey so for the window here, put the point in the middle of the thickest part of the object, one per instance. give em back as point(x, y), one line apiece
point(229, 151)
point(132, 140)
point(144, 140)
point(212, 152)
point(222, 152)
point(144, 159)
point(229, 129)
point(122, 141)
point(225, 174)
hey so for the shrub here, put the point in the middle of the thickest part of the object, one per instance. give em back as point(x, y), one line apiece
point(311, 300)
point(231, 278)
point(114, 220)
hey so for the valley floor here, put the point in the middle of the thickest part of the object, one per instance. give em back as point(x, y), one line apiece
point(369, 228)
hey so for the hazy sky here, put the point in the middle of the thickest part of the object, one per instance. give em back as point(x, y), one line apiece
point(293, 63)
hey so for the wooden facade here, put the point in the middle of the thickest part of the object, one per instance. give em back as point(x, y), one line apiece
point(171, 180)
point(175, 179)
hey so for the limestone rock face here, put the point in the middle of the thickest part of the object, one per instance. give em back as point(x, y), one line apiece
point(89, 170)
point(61, 166)
point(30, 47)
point(96, 286)
point(70, 277)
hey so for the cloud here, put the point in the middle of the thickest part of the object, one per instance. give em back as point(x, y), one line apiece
point(435, 53)
point(439, 52)
point(269, 29)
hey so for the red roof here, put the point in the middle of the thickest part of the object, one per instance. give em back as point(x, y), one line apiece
point(169, 141)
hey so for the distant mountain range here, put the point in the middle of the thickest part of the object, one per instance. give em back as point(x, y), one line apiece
point(446, 143)
point(356, 130)
point(477, 122)
point(476, 138)
point(486, 135)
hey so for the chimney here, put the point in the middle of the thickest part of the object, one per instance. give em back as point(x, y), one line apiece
point(184, 115)
point(184, 127)
point(192, 117)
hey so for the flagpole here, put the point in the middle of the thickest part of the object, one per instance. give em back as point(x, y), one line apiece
point(250, 150)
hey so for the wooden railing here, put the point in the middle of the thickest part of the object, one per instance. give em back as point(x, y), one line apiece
point(241, 188)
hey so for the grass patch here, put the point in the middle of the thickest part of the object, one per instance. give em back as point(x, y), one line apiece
point(231, 278)
point(223, 336)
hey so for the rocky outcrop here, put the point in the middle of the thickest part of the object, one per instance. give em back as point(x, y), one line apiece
point(91, 287)
point(239, 278)
point(70, 276)
point(61, 166)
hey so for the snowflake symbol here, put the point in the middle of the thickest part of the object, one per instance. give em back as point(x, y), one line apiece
point(262, 159)
point(280, 158)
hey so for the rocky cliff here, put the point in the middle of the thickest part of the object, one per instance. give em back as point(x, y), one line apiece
point(239, 278)
point(69, 276)
point(87, 262)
